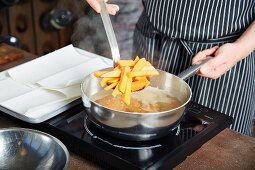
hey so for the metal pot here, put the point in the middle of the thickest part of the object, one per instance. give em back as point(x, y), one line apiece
point(139, 126)
point(31, 149)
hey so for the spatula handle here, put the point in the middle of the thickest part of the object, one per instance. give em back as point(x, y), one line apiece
point(110, 33)
point(192, 70)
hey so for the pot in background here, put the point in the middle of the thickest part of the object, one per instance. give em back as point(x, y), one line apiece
point(31, 149)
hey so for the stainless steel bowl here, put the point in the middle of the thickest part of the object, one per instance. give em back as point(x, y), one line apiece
point(30, 149)
point(137, 126)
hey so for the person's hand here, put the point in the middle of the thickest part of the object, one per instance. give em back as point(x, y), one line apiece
point(112, 8)
point(225, 57)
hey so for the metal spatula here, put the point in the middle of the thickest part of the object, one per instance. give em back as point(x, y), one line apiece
point(110, 33)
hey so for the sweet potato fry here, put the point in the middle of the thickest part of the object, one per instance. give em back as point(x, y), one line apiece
point(142, 73)
point(98, 74)
point(116, 90)
point(123, 78)
point(111, 86)
point(139, 84)
point(113, 80)
point(124, 63)
point(127, 77)
point(126, 97)
point(114, 73)
point(117, 68)
point(136, 60)
point(130, 63)
point(139, 78)
point(148, 68)
point(140, 64)
point(105, 80)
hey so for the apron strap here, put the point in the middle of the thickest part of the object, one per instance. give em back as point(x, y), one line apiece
point(187, 47)
point(186, 43)
point(220, 40)
point(145, 27)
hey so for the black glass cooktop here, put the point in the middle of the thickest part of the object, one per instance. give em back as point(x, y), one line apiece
point(198, 126)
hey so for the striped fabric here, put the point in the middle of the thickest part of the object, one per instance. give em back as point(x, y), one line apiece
point(198, 20)
point(170, 32)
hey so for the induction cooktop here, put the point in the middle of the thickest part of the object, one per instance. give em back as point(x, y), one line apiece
point(80, 136)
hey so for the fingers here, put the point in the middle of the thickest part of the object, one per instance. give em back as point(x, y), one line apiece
point(214, 72)
point(208, 67)
point(111, 8)
point(203, 54)
point(95, 5)
point(216, 67)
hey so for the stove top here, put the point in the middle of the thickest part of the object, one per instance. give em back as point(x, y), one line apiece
point(80, 136)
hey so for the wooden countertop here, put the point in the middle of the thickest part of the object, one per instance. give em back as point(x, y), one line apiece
point(227, 150)
point(25, 58)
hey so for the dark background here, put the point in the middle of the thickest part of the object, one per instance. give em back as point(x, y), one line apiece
point(23, 20)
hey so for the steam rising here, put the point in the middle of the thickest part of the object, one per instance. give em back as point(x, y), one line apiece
point(89, 33)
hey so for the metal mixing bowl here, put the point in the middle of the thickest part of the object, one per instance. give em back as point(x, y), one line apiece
point(30, 149)
point(137, 126)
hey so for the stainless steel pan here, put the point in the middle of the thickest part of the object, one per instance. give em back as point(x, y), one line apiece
point(140, 126)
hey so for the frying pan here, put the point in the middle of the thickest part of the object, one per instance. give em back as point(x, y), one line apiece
point(140, 126)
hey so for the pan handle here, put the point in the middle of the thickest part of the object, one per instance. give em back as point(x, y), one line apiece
point(192, 70)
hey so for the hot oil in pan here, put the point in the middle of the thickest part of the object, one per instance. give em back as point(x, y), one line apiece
point(150, 99)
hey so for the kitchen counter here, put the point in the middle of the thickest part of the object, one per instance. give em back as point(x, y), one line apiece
point(227, 150)
point(11, 56)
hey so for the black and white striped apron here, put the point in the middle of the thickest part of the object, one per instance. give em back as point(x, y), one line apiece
point(170, 32)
